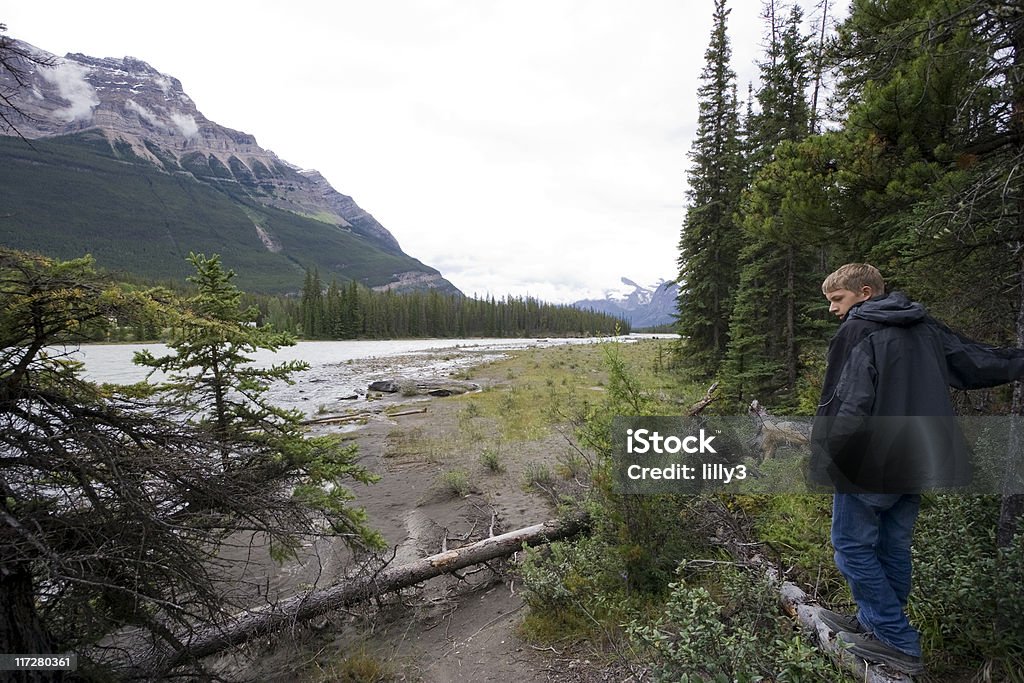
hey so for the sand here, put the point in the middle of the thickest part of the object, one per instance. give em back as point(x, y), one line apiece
point(452, 628)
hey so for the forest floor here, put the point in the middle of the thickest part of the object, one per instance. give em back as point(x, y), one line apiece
point(485, 462)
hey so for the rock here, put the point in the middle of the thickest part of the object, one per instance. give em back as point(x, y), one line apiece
point(386, 386)
point(424, 387)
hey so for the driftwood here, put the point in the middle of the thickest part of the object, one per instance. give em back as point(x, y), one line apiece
point(427, 386)
point(354, 417)
point(709, 397)
point(795, 602)
point(262, 620)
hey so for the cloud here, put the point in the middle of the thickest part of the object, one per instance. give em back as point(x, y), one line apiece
point(146, 115)
point(185, 123)
point(69, 79)
point(163, 83)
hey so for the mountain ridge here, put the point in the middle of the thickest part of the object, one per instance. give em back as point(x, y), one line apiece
point(642, 306)
point(149, 121)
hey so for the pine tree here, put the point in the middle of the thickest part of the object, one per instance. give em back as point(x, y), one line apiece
point(112, 506)
point(212, 377)
point(777, 275)
point(710, 239)
point(312, 306)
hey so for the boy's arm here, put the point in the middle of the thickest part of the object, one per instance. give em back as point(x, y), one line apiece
point(848, 372)
point(973, 365)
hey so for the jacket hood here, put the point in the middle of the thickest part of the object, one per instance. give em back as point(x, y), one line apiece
point(892, 309)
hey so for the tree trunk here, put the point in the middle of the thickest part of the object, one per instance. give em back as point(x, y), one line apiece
point(791, 359)
point(262, 620)
point(1012, 509)
point(21, 632)
point(819, 59)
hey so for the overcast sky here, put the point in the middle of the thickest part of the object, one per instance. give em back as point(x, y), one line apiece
point(530, 147)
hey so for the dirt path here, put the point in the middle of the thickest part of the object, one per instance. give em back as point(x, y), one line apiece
point(438, 489)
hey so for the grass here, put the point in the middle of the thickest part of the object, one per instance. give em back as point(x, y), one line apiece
point(358, 667)
point(549, 387)
point(455, 483)
point(491, 460)
point(538, 477)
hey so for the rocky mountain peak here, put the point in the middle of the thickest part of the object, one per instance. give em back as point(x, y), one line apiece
point(642, 306)
point(147, 115)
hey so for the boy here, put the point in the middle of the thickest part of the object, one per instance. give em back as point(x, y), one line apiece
point(884, 433)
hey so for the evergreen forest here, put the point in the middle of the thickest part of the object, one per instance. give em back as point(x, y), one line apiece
point(895, 138)
point(352, 311)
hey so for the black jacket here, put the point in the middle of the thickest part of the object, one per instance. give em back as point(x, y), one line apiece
point(885, 421)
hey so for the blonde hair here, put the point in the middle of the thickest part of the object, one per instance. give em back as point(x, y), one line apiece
point(853, 276)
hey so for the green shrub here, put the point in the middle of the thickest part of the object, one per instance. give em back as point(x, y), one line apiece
point(968, 598)
point(455, 483)
point(538, 477)
point(737, 635)
point(491, 460)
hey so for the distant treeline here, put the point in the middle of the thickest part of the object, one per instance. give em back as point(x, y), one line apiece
point(351, 311)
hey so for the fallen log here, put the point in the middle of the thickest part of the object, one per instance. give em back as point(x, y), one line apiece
point(352, 417)
point(796, 604)
point(364, 415)
point(267, 619)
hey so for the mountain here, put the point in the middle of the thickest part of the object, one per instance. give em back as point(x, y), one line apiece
point(641, 306)
point(121, 163)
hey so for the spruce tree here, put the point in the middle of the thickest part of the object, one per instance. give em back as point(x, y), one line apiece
point(710, 238)
point(211, 377)
point(113, 507)
point(313, 308)
point(777, 273)
point(934, 93)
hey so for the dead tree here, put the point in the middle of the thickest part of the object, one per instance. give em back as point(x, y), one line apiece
point(250, 624)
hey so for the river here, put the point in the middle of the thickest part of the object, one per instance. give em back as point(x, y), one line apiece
point(340, 371)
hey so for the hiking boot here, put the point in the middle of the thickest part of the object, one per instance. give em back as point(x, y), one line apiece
point(868, 647)
point(840, 622)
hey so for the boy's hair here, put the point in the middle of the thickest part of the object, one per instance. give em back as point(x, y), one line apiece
point(853, 276)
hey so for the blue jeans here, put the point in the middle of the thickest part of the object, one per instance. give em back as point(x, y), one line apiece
point(871, 534)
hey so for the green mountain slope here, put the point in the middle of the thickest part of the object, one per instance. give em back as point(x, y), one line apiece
point(75, 194)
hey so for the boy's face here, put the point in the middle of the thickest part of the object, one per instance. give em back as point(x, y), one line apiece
point(840, 301)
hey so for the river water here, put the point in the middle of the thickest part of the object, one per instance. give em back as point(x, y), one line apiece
point(340, 370)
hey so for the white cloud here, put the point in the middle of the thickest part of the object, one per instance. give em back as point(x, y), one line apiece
point(163, 83)
point(186, 123)
point(69, 78)
point(146, 115)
